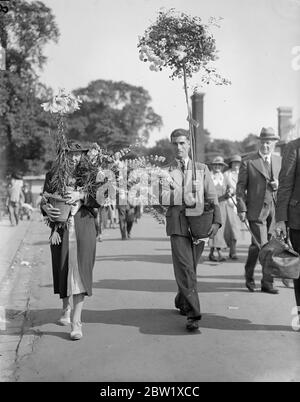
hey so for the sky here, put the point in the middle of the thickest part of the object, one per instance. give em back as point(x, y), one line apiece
point(256, 41)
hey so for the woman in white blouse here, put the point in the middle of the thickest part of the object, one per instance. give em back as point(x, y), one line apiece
point(232, 224)
point(218, 243)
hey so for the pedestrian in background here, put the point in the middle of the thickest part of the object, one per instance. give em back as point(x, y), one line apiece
point(232, 224)
point(27, 206)
point(256, 194)
point(218, 242)
point(126, 220)
point(15, 198)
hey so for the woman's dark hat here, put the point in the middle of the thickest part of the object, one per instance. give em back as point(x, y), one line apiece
point(268, 134)
point(17, 176)
point(73, 146)
point(218, 160)
point(235, 158)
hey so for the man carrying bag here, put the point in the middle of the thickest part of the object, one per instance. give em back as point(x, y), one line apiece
point(288, 201)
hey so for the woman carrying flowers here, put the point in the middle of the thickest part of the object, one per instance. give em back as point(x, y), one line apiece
point(73, 245)
point(72, 183)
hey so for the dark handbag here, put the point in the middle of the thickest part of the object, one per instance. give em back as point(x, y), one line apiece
point(279, 260)
point(200, 225)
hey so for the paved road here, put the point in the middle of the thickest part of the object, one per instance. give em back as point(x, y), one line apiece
point(133, 333)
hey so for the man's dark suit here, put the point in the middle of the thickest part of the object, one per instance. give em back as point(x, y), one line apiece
point(256, 197)
point(184, 254)
point(288, 198)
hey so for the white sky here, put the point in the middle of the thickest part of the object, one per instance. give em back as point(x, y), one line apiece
point(99, 41)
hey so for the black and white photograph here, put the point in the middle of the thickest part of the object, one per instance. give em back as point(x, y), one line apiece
point(149, 194)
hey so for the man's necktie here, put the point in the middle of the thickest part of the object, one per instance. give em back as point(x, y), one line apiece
point(268, 167)
point(182, 165)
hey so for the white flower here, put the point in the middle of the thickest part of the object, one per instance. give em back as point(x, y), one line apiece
point(180, 54)
point(153, 67)
point(163, 42)
point(62, 103)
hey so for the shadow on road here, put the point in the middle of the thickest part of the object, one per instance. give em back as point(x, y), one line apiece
point(159, 239)
point(152, 258)
point(149, 321)
point(163, 259)
point(205, 260)
point(166, 285)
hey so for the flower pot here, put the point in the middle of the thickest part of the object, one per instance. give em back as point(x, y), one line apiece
point(200, 225)
point(64, 208)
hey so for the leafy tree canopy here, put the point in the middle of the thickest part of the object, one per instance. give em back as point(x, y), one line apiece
point(114, 114)
point(24, 31)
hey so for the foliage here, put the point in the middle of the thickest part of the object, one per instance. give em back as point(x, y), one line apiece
point(163, 147)
point(227, 148)
point(24, 31)
point(180, 42)
point(63, 171)
point(113, 114)
point(24, 127)
point(186, 46)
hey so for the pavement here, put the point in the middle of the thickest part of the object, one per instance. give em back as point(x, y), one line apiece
point(13, 291)
point(132, 331)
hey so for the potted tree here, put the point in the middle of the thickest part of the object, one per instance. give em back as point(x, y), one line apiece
point(186, 46)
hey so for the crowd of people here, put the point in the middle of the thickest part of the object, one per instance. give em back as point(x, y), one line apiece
point(241, 192)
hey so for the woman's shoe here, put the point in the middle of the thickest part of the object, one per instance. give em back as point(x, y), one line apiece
point(76, 332)
point(212, 258)
point(65, 319)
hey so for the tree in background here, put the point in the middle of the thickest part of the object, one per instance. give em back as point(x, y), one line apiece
point(213, 147)
point(223, 147)
point(163, 147)
point(113, 114)
point(24, 127)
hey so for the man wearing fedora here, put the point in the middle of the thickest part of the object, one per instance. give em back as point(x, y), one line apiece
point(256, 193)
point(186, 254)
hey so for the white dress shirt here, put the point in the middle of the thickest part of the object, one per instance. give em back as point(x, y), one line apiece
point(266, 158)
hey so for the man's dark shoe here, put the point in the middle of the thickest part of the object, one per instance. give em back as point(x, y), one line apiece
point(270, 290)
point(250, 285)
point(192, 324)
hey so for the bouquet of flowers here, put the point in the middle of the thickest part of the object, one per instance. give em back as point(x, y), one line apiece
point(59, 106)
point(65, 176)
point(145, 175)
